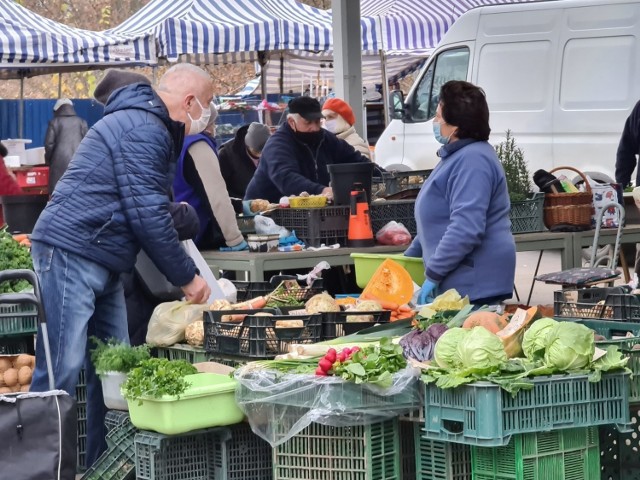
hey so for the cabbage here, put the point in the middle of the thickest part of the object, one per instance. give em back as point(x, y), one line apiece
point(446, 351)
point(570, 346)
point(481, 351)
point(534, 341)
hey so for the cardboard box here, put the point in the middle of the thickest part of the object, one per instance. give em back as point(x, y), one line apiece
point(33, 156)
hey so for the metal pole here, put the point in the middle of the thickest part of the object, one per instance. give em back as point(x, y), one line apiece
point(59, 84)
point(281, 79)
point(385, 86)
point(21, 108)
point(262, 61)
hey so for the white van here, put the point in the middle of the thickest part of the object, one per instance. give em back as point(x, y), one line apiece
point(561, 75)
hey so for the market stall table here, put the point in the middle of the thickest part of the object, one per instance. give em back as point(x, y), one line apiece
point(256, 264)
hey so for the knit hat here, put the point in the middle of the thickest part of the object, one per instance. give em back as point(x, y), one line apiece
point(115, 79)
point(60, 102)
point(340, 107)
point(257, 135)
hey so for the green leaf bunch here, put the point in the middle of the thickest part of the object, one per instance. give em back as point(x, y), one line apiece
point(156, 377)
point(374, 364)
point(116, 356)
point(13, 256)
point(515, 168)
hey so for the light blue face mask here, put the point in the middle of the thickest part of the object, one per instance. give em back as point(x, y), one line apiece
point(438, 135)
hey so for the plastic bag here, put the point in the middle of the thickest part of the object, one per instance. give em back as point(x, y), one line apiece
point(229, 289)
point(168, 321)
point(393, 233)
point(267, 226)
point(280, 406)
point(205, 271)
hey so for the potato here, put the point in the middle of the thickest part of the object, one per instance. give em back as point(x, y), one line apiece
point(11, 377)
point(4, 390)
point(25, 388)
point(23, 360)
point(2, 384)
point(24, 375)
point(15, 388)
point(5, 364)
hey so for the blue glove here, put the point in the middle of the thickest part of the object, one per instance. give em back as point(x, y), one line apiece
point(427, 292)
point(246, 207)
point(237, 248)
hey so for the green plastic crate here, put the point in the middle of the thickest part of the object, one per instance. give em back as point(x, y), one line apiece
point(115, 418)
point(177, 457)
point(620, 452)
point(81, 406)
point(181, 351)
point(407, 449)
point(18, 319)
point(483, 414)
point(240, 454)
point(435, 460)
point(118, 461)
point(527, 215)
point(321, 452)
point(367, 263)
point(571, 454)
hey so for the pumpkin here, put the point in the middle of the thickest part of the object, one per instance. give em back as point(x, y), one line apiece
point(390, 283)
point(512, 334)
point(489, 320)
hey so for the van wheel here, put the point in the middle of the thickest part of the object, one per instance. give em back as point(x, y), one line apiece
point(397, 167)
point(596, 176)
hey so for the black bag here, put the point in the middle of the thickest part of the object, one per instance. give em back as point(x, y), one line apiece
point(154, 282)
point(39, 436)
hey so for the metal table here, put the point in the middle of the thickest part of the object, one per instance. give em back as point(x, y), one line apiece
point(258, 263)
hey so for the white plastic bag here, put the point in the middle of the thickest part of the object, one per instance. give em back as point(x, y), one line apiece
point(205, 271)
point(169, 319)
point(393, 233)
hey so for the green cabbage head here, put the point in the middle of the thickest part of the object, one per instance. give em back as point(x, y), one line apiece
point(481, 351)
point(534, 341)
point(570, 346)
point(446, 350)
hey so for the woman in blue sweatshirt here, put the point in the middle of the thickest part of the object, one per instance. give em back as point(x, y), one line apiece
point(462, 212)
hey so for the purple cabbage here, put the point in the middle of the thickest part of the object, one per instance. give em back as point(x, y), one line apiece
point(420, 344)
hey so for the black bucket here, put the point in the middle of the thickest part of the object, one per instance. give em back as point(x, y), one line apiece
point(22, 211)
point(344, 175)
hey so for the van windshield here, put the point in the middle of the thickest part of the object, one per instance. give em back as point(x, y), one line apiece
point(448, 65)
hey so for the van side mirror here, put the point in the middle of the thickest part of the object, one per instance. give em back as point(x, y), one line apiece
point(397, 104)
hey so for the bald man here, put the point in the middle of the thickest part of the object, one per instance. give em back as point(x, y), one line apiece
point(112, 201)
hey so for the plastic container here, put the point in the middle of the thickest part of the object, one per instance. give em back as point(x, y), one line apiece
point(321, 452)
point(33, 177)
point(81, 407)
point(619, 459)
point(527, 216)
point(183, 352)
point(483, 414)
point(337, 324)
point(111, 383)
point(367, 263)
point(344, 175)
point(317, 201)
point(571, 454)
point(22, 211)
point(439, 460)
point(249, 290)
point(115, 418)
point(118, 461)
point(607, 303)
point(402, 211)
point(263, 243)
point(18, 319)
point(208, 402)
point(242, 455)
point(407, 450)
point(17, 345)
point(257, 337)
point(395, 182)
point(315, 226)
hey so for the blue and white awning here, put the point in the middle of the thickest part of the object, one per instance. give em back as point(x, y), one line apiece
point(31, 44)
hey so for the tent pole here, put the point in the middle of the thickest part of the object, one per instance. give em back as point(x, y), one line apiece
point(59, 84)
point(21, 108)
point(262, 61)
point(385, 86)
point(281, 80)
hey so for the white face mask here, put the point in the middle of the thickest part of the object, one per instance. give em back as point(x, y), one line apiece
point(198, 125)
point(336, 125)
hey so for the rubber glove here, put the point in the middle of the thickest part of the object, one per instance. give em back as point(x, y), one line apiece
point(246, 207)
point(237, 248)
point(427, 292)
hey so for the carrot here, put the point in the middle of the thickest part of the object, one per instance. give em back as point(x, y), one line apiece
point(20, 237)
point(405, 308)
point(233, 318)
point(253, 304)
point(26, 242)
point(388, 305)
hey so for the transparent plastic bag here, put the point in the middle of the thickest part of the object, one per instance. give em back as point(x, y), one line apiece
point(169, 320)
point(279, 406)
point(393, 233)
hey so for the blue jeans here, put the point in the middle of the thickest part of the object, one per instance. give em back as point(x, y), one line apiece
point(81, 298)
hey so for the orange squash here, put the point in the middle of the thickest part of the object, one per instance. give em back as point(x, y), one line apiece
point(390, 283)
point(512, 334)
point(489, 320)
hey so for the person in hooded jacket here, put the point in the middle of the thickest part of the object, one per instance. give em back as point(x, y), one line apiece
point(112, 201)
point(64, 133)
point(339, 119)
point(295, 158)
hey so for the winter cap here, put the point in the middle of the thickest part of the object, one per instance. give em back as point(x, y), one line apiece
point(340, 107)
point(60, 102)
point(307, 107)
point(115, 79)
point(257, 135)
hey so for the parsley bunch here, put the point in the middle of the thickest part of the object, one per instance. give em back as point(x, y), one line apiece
point(115, 356)
point(156, 377)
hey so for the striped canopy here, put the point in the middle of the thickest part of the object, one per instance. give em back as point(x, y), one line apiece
point(31, 45)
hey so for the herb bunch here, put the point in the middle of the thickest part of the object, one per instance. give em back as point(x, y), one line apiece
point(116, 356)
point(156, 377)
point(13, 256)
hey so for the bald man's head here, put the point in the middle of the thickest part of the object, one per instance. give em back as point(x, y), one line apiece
point(186, 90)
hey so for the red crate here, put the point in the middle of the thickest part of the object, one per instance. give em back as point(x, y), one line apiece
point(33, 177)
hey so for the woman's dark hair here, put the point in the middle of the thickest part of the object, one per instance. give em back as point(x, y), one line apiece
point(465, 106)
point(3, 150)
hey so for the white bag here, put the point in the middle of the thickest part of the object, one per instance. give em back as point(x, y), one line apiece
point(205, 271)
point(169, 319)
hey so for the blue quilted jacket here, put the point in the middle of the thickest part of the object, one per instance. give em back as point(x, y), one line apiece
point(114, 197)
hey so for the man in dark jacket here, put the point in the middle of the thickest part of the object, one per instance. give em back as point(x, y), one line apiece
point(239, 157)
point(113, 200)
point(64, 133)
point(295, 158)
point(629, 149)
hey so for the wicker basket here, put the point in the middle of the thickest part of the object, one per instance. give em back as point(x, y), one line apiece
point(573, 209)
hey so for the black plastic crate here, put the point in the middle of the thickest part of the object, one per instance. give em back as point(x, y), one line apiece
point(606, 303)
point(315, 226)
point(619, 452)
point(395, 182)
point(256, 336)
point(402, 211)
point(337, 324)
point(17, 345)
point(249, 290)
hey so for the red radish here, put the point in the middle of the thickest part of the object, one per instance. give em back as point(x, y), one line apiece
point(342, 357)
point(331, 355)
point(321, 372)
point(325, 365)
point(347, 351)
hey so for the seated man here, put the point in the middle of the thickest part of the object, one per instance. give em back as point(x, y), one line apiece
point(295, 158)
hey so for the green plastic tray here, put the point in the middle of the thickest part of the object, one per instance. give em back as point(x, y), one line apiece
point(321, 452)
point(483, 414)
point(619, 452)
point(367, 263)
point(561, 454)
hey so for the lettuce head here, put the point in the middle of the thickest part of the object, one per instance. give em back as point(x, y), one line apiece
point(481, 351)
point(534, 342)
point(446, 350)
point(570, 346)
